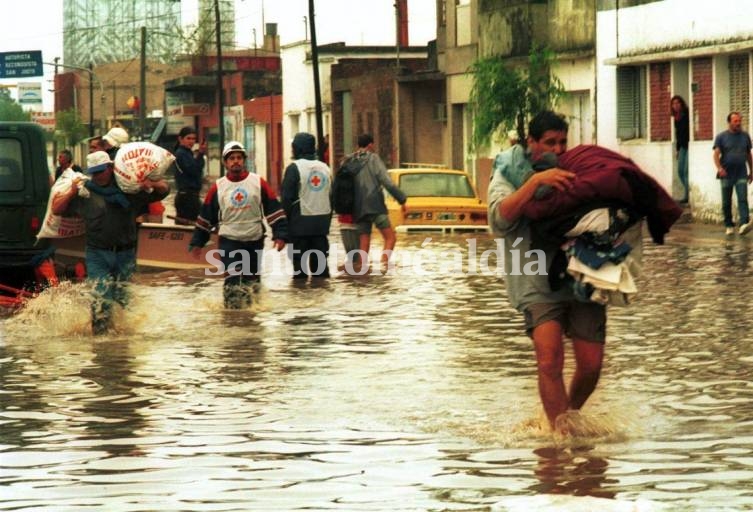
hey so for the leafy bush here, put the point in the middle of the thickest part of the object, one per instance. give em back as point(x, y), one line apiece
point(503, 97)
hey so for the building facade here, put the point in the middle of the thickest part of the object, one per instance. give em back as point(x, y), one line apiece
point(649, 51)
point(468, 30)
point(105, 31)
point(375, 63)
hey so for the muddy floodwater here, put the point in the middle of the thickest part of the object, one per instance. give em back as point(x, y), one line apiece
point(410, 391)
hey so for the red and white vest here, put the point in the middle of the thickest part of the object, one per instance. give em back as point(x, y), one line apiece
point(314, 189)
point(240, 208)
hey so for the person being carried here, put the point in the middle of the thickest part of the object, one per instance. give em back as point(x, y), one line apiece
point(369, 208)
point(111, 232)
point(112, 140)
point(236, 206)
point(306, 190)
point(549, 315)
point(188, 178)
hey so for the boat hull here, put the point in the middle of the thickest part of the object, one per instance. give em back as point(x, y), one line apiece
point(159, 247)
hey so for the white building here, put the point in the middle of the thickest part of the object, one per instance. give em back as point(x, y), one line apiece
point(648, 53)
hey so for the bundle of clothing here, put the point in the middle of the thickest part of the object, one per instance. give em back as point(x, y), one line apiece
point(596, 222)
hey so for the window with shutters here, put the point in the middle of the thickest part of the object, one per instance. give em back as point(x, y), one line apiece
point(631, 102)
point(739, 88)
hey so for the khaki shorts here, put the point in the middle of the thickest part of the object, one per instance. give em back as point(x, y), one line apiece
point(582, 320)
point(380, 220)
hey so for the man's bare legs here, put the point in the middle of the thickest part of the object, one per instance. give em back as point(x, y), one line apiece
point(588, 360)
point(390, 239)
point(364, 244)
point(550, 360)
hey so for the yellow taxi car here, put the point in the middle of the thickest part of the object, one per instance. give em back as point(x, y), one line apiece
point(439, 199)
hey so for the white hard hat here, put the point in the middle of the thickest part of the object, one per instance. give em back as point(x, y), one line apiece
point(232, 147)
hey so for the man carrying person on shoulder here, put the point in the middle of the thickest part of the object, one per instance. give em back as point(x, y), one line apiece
point(549, 315)
point(236, 205)
point(306, 189)
point(111, 232)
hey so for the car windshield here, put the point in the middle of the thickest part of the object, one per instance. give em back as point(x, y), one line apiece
point(436, 184)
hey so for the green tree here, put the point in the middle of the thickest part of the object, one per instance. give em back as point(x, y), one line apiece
point(503, 97)
point(10, 110)
point(69, 127)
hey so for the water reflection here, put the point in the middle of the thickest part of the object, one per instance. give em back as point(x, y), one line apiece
point(409, 391)
point(574, 471)
point(112, 406)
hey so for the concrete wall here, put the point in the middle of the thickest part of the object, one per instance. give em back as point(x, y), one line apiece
point(681, 24)
point(298, 90)
point(512, 28)
point(420, 130)
point(374, 96)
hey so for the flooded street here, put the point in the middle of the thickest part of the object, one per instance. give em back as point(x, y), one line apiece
point(413, 391)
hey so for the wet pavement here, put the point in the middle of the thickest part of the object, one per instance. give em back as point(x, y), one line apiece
point(411, 391)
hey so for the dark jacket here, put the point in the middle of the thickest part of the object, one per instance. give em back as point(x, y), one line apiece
point(109, 223)
point(189, 169)
point(682, 130)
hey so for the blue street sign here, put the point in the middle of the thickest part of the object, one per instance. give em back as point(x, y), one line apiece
point(21, 64)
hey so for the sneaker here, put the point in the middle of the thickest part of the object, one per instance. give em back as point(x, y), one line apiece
point(745, 228)
point(729, 231)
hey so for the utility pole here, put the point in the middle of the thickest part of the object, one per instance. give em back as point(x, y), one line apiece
point(142, 88)
point(220, 90)
point(397, 35)
point(55, 107)
point(317, 88)
point(91, 100)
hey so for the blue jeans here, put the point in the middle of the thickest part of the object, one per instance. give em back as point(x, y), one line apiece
point(682, 170)
point(741, 190)
point(110, 271)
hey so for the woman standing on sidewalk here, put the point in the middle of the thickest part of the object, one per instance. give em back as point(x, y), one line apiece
point(679, 111)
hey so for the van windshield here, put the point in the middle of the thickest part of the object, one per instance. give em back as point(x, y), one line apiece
point(11, 171)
